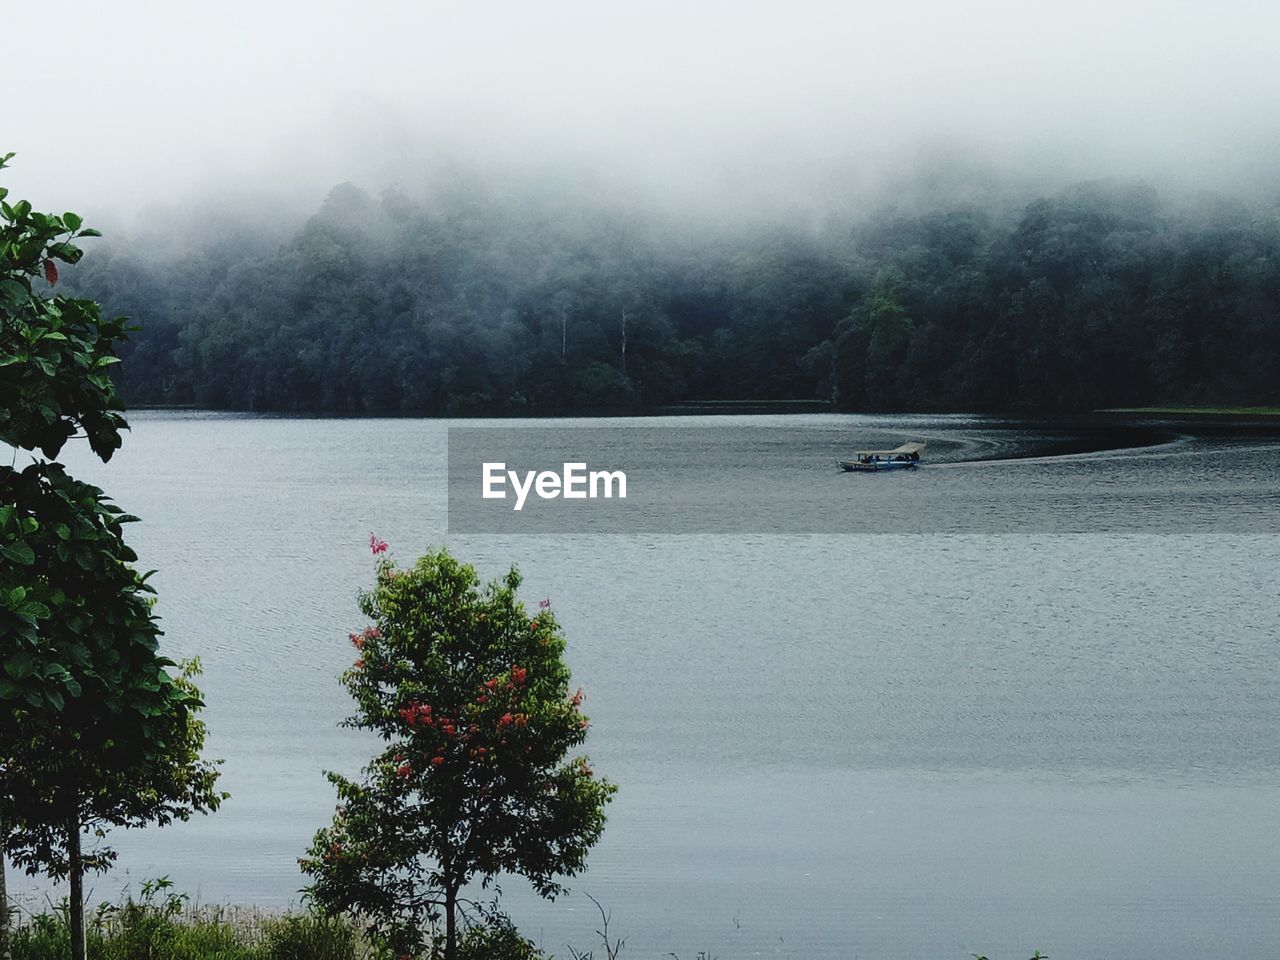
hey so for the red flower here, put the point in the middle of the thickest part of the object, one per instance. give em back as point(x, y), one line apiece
point(545, 604)
point(505, 720)
point(414, 713)
point(376, 546)
point(359, 664)
point(436, 761)
point(403, 770)
point(518, 674)
point(51, 272)
point(482, 699)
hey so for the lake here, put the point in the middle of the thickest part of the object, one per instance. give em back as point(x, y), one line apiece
point(981, 734)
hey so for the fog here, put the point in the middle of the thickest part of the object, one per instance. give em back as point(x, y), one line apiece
point(115, 108)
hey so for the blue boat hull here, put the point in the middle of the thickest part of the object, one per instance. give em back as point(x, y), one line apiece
point(858, 466)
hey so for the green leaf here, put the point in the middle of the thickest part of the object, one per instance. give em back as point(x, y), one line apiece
point(18, 553)
point(66, 252)
point(13, 292)
point(19, 665)
point(33, 611)
point(73, 221)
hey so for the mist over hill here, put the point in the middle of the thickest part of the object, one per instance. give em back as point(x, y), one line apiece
point(962, 291)
point(909, 205)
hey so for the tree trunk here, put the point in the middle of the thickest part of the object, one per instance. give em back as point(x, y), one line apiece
point(76, 874)
point(624, 343)
point(4, 904)
point(451, 923)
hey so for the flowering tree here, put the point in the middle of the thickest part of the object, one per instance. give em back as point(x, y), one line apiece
point(95, 731)
point(471, 696)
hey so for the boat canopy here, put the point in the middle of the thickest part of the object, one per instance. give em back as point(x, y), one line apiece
point(913, 450)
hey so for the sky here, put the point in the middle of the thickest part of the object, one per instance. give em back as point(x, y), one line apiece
point(130, 105)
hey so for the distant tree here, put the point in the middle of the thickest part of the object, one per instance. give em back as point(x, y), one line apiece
point(471, 695)
point(94, 730)
point(478, 301)
point(871, 347)
point(603, 385)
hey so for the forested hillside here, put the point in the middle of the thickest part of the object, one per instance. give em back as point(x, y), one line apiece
point(1102, 295)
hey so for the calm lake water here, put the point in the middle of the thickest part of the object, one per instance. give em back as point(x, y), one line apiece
point(828, 746)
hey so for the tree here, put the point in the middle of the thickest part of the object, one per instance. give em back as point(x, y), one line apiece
point(870, 348)
point(471, 696)
point(95, 731)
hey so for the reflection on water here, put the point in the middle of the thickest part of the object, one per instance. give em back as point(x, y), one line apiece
point(827, 746)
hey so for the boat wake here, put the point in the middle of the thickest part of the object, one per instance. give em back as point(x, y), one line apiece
point(1149, 447)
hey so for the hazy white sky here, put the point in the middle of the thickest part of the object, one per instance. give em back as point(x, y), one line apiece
point(132, 102)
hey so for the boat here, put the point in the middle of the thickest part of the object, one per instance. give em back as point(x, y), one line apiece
point(905, 457)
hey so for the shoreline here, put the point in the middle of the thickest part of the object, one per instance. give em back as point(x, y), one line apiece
point(1196, 411)
point(725, 408)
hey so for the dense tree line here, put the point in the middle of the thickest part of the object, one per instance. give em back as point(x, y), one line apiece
point(1101, 295)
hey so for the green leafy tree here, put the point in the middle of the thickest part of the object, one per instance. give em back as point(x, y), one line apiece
point(55, 350)
point(95, 729)
point(870, 348)
point(471, 696)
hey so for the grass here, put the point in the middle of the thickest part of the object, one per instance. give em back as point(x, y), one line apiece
point(195, 937)
point(162, 925)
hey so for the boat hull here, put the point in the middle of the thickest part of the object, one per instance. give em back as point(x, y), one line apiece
point(857, 466)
